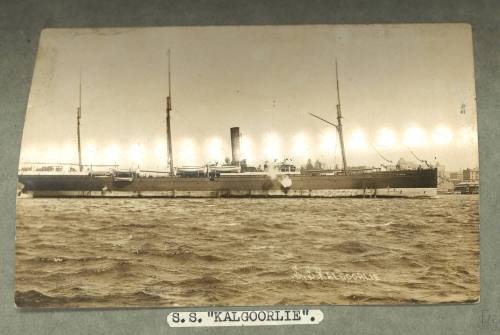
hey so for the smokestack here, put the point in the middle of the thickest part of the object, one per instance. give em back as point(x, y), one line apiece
point(235, 145)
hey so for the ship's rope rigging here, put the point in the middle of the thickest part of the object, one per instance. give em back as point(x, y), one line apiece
point(418, 159)
point(335, 155)
point(380, 155)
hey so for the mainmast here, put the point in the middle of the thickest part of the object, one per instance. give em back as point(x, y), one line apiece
point(78, 117)
point(338, 126)
point(169, 133)
point(339, 120)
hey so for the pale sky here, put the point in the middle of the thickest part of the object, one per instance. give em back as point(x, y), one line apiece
point(401, 86)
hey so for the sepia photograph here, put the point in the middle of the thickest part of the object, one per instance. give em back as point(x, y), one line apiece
point(249, 166)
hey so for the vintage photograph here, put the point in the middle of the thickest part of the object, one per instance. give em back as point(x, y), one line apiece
point(249, 166)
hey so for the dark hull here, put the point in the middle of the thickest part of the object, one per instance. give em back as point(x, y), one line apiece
point(404, 183)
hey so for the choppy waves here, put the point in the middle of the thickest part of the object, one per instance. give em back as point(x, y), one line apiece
point(200, 252)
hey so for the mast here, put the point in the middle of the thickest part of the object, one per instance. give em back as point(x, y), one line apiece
point(339, 120)
point(337, 126)
point(78, 117)
point(169, 133)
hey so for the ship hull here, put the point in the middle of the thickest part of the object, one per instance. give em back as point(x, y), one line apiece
point(403, 183)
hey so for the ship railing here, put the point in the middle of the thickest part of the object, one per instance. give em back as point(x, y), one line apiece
point(153, 173)
point(38, 168)
point(340, 172)
point(260, 173)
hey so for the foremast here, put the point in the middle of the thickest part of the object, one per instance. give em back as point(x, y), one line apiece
point(170, 159)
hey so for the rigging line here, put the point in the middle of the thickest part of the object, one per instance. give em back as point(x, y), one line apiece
point(418, 159)
point(378, 153)
point(335, 148)
point(326, 121)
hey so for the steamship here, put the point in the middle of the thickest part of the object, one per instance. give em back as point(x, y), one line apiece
point(279, 179)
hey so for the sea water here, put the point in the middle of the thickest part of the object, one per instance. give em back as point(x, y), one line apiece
point(201, 252)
